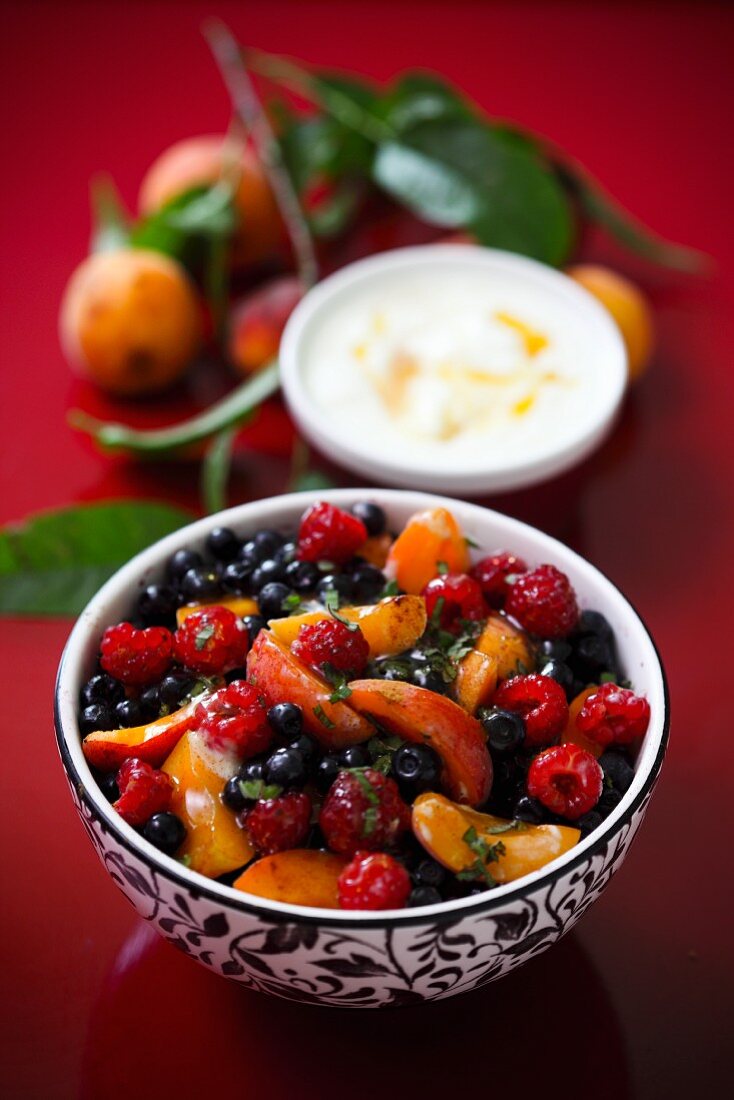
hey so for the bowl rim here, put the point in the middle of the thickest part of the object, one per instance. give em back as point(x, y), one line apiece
point(226, 896)
point(317, 426)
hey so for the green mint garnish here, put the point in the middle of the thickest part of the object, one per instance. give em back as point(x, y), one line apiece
point(369, 823)
point(442, 568)
point(471, 542)
point(325, 566)
point(323, 717)
point(485, 853)
point(435, 621)
point(291, 603)
point(185, 860)
point(256, 789)
point(203, 635)
point(340, 692)
point(391, 589)
point(607, 678)
point(353, 627)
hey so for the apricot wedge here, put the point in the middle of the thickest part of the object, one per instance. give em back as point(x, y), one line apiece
point(240, 605)
point(428, 539)
point(572, 734)
point(441, 825)
point(390, 626)
point(273, 669)
point(107, 749)
point(299, 876)
point(508, 645)
point(419, 715)
point(476, 679)
point(376, 549)
point(215, 844)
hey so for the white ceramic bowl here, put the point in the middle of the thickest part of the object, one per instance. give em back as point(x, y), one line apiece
point(358, 959)
point(595, 336)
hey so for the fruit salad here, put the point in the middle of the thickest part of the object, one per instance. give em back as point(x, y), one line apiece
point(348, 717)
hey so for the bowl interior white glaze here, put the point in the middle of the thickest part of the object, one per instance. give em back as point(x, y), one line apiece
point(597, 338)
point(491, 531)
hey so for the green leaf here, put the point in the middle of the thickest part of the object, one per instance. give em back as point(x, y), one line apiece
point(457, 173)
point(418, 97)
point(189, 225)
point(215, 470)
point(110, 220)
point(54, 562)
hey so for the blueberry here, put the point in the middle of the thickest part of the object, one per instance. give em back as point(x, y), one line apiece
point(97, 716)
point(391, 669)
point(101, 688)
point(508, 784)
point(252, 770)
point(174, 688)
point(286, 719)
point(423, 895)
point(267, 542)
point(557, 648)
point(108, 786)
point(150, 702)
point(590, 821)
point(250, 554)
point(429, 873)
point(287, 768)
point(272, 600)
point(201, 583)
point(593, 655)
point(368, 583)
point(372, 516)
point(335, 582)
point(286, 553)
point(157, 605)
point(416, 768)
point(265, 573)
point(558, 671)
point(303, 576)
point(166, 831)
point(327, 770)
point(180, 563)
point(305, 746)
point(618, 770)
point(354, 756)
point(237, 578)
point(253, 625)
point(232, 795)
point(223, 544)
point(505, 730)
point(593, 622)
point(608, 801)
point(426, 677)
point(530, 810)
point(129, 713)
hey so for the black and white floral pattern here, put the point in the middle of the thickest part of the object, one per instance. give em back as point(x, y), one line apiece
point(360, 965)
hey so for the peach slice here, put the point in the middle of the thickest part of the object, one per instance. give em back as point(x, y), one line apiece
point(476, 679)
point(299, 876)
point(508, 645)
point(376, 549)
point(215, 844)
point(240, 605)
point(390, 626)
point(427, 539)
point(273, 669)
point(572, 734)
point(107, 749)
point(422, 716)
point(441, 825)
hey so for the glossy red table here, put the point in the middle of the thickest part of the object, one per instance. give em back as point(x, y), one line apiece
point(637, 1002)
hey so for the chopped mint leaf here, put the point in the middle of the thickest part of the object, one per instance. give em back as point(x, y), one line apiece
point(485, 853)
point(323, 717)
point(325, 566)
point(391, 589)
point(331, 600)
point(442, 568)
point(353, 627)
point(435, 620)
point(203, 635)
point(341, 691)
point(185, 859)
point(518, 825)
point(471, 542)
point(369, 823)
point(256, 789)
point(291, 603)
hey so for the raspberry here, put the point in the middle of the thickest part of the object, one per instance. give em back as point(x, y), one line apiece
point(491, 574)
point(235, 718)
point(566, 779)
point(363, 810)
point(613, 715)
point(275, 824)
point(461, 595)
point(211, 641)
point(374, 881)
point(329, 534)
point(136, 656)
point(144, 791)
point(544, 602)
point(331, 642)
point(541, 703)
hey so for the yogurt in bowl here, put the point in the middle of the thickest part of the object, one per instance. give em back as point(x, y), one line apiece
point(453, 367)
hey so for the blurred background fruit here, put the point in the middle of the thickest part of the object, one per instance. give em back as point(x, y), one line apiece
point(202, 161)
point(257, 322)
point(628, 306)
point(130, 320)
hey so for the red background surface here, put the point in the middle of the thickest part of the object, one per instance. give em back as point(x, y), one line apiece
point(637, 1002)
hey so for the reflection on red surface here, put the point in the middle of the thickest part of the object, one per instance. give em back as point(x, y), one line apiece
point(547, 1023)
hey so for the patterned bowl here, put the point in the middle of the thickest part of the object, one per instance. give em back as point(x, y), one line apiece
point(328, 957)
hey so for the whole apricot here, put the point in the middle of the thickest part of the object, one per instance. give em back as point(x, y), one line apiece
point(628, 306)
point(130, 321)
point(257, 322)
point(202, 161)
